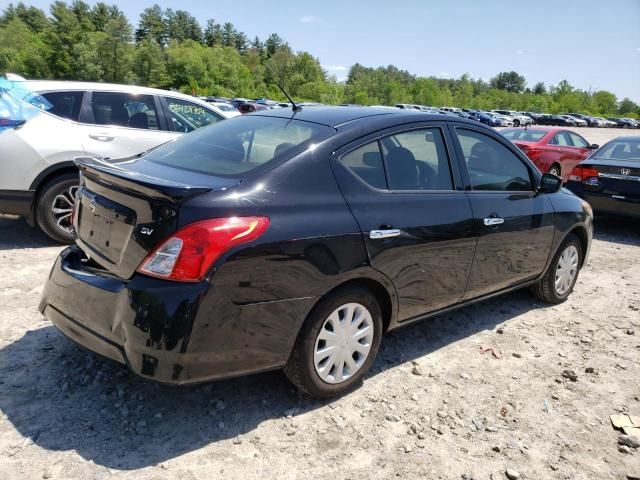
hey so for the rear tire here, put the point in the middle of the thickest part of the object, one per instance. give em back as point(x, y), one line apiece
point(555, 170)
point(558, 281)
point(516, 123)
point(325, 375)
point(54, 207)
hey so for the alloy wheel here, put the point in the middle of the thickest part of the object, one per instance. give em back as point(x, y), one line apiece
point(566, 270)
point(62, 208)
point(343, 343)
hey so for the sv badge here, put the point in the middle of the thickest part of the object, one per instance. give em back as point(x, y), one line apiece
point(146, 231)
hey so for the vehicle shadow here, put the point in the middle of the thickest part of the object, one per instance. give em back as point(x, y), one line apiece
point(65, 398)
point(16, 233)
point(617, 230)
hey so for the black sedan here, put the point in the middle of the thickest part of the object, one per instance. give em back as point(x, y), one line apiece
point(610, 178)
point(295, 239)
point(556, 120)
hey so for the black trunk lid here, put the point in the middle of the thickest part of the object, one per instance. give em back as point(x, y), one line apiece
point(125, 209)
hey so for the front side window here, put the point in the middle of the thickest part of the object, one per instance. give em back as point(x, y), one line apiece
point(65, 104)
point(238, 146)
point(417, 160)
point(491, 165)
point(577, 141)
point(124, 110)
point(187, 117)
point(561, 139)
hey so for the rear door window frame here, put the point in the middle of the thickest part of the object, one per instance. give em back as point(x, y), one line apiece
point(378, 136)
point(86, 114)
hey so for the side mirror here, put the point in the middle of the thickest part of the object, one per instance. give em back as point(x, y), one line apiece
point(549, 183)
point(594, 146)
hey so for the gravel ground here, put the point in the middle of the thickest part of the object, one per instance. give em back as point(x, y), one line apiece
point(433, 406)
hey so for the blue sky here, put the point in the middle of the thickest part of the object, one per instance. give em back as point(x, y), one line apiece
point(593, 44)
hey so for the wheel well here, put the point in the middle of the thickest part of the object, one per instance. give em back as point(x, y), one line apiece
point(556, 164)
point(378, 291)
point(581, 233)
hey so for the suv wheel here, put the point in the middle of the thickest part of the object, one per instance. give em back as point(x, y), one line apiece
point(55, 207)
point(338, 343)
point(561, 276)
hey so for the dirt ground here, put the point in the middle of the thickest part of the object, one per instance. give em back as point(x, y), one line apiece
point(433, 406)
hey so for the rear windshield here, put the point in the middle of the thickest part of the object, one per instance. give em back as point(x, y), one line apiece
point(620, 150)
point(528, 135)
point(237, 146)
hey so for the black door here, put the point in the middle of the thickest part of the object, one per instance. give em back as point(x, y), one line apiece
point(513, 223)
point(415, 219)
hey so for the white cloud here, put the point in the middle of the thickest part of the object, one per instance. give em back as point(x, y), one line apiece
point(307, 19)
point(336, 68)
point(519, 52)
point(445, 74)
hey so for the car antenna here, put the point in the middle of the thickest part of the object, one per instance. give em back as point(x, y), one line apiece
point(294, 107)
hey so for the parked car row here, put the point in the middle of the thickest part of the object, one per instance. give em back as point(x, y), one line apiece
point(516, 119)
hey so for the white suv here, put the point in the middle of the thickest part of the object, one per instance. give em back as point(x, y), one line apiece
point(76, 119)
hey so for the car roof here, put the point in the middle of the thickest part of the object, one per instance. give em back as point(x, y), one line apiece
point(336, 116)
point(66, 85)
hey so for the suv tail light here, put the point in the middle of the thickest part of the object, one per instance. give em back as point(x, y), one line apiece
point(581, 173)
point(188, 254)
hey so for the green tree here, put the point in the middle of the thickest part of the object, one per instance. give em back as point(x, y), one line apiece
point(509, 81)
point(152, 25)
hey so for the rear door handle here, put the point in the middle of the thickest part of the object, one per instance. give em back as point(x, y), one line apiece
point(101, 137)
point(492, 221)
point(377, 234)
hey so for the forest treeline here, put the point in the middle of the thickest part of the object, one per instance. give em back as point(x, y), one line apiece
point(171, 49)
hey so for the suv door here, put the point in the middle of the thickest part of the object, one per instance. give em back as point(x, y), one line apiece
point(415, 220)
point(119, 124)
point(512, 221)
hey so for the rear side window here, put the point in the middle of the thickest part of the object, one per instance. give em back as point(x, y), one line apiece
point(187, 117)
point(65, 104)
point(491, 165)
point(528, 135)
point(239, 145)
point(366, 162)
point(124, 110)
point(417, 160)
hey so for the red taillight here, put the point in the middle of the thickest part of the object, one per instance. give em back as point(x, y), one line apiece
point(582, 173)
point(189, 253)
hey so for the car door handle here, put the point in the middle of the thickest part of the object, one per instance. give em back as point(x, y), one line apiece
point(492, 221)
point(101, 137)
point(377, 234)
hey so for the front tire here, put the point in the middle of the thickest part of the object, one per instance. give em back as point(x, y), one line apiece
point(558, 281)
point(55, 205)
point(337, 345)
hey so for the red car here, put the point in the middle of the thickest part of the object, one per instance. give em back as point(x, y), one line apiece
point(553, 150)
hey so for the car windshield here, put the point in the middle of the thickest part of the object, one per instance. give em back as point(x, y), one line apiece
point(620, 150)
point(19, 104)
point(528, 135)
point(239, 145)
